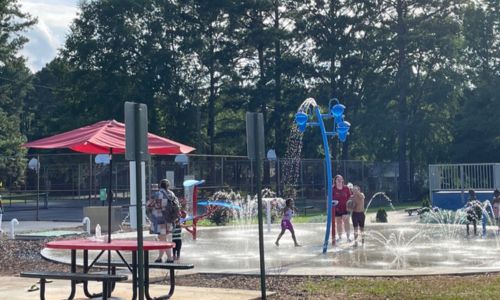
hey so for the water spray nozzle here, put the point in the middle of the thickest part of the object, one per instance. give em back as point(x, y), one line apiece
point(301, 121)
point(337, 111)
point(343, 127)
point(342, 130)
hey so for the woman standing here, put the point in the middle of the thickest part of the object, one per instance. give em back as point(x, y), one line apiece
point(341, 193)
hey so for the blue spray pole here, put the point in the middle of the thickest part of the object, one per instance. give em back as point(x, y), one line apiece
point(340, 129)
point(329, 179)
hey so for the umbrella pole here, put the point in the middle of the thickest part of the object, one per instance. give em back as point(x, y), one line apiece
point(110, 192)
point(110, 199)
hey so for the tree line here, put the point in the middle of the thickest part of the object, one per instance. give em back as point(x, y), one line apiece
point(420, 78)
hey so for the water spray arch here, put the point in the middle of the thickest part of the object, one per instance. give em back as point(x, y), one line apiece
point(309, 114)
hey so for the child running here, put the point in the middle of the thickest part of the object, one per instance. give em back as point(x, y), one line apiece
point(286, 221)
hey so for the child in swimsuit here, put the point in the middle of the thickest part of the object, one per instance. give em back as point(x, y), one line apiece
point(286, 221)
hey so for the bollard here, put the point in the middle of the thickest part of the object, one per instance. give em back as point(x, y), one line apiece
point(12, 223)
point(86, 221)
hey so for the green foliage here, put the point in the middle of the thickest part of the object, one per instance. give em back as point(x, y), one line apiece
point(381, 216)
point(476, 140)
point(12, 160)
point(222, 215)
point(426, 202)
point(129, 57)
point(14, 84)
point(409, 72)
point(52, 95)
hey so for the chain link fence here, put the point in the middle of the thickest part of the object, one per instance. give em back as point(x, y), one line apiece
point(77, 180)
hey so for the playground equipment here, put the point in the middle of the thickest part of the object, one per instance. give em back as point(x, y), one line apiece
point(309, 110)
point(191, 205)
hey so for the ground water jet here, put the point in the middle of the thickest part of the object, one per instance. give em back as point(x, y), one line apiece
point(389, 201)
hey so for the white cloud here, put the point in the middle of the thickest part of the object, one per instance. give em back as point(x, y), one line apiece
point(49, 34)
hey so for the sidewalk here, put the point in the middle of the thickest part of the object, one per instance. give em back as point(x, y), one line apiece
point(16, 288)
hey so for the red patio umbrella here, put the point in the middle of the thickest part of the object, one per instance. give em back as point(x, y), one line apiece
point(106, 137)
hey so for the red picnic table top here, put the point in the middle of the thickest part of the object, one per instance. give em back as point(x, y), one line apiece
point(124, 245)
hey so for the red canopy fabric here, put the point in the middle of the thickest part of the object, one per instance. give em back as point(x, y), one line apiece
point(102, 136)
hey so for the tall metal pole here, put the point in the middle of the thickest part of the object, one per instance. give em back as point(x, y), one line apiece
point(90, 179)
point(259, 210)
point(110, 192)
point(37, 186)
point(138, 193)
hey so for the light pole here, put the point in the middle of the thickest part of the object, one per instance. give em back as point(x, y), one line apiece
point(34, 164)
point(314, 117)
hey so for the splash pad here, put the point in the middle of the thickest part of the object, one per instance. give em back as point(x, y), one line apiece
point(389, 250)
point(399, 249)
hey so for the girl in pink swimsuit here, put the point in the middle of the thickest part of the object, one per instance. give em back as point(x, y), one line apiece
point(286, 221)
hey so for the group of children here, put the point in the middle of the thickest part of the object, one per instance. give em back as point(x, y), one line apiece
point(348, 201)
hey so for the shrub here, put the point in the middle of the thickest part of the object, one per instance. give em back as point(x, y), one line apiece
point(426, 202)
point(381, 216)
point(222, 215)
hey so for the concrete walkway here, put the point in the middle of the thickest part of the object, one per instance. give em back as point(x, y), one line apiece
point(16, 288)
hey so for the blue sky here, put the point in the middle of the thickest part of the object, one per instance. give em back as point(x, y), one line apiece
point(49, 34)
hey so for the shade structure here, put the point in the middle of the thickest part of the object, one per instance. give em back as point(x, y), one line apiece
point(105, 137)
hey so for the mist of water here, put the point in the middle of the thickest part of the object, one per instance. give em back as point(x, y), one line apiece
point(382, 194)
point(291, 163)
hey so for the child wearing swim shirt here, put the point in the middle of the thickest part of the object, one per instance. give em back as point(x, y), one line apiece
point(286, 221)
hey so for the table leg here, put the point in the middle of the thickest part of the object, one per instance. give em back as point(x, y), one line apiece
point(146, 275)
point(146, 281)
point(73, 270)
point(86, 269)
point(134, 275)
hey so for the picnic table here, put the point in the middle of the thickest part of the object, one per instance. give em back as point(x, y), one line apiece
point(305, 208)
point(118, 246)
point(411, 210)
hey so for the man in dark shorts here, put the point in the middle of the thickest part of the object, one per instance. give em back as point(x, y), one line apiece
point(358, 214)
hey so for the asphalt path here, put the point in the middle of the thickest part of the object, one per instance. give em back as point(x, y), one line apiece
point(58, 211)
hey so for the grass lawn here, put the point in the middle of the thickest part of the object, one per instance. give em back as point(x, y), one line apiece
point(419, 287)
